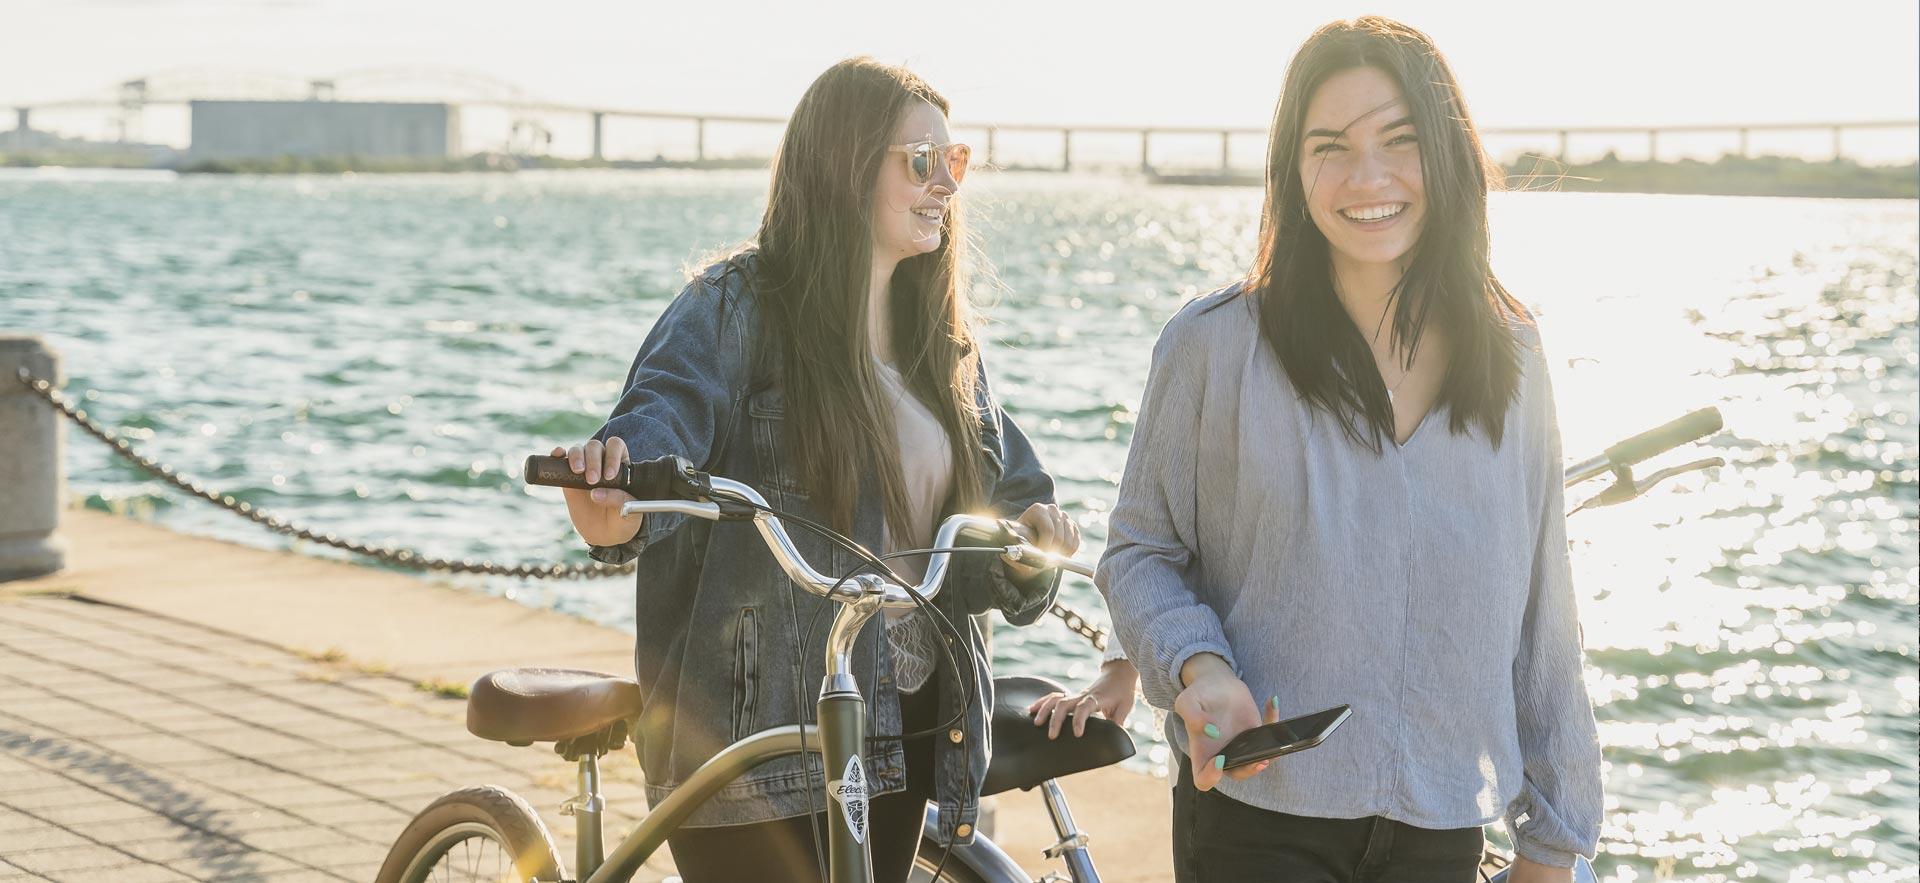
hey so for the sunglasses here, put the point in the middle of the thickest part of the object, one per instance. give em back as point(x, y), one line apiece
point(922, 156)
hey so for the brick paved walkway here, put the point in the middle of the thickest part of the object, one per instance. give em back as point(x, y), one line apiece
point(135, 747)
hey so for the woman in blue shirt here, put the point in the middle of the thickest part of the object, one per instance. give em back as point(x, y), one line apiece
point(832, 366)
point(1344, 488)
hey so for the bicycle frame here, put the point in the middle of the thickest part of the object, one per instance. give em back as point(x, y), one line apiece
point(839, 737)
point(719, 771)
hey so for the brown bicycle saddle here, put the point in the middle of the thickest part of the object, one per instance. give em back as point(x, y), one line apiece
point(521, 706)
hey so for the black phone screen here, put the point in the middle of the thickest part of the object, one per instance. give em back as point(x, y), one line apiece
point(1285, 737)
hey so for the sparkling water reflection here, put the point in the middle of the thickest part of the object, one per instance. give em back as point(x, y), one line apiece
point(375, 356)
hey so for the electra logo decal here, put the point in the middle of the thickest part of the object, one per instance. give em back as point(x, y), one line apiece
point(851, 791)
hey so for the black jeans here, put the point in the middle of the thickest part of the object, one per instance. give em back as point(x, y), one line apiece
point(1217, 839)
point(784, 849)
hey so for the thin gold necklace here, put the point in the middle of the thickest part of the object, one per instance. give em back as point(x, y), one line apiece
point(1404, 374)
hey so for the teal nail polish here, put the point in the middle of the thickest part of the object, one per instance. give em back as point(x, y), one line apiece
point(1212, 731)
point(1274, 704)
point(1219, 761)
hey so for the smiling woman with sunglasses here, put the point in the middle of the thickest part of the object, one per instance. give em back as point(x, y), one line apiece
point(831, 364)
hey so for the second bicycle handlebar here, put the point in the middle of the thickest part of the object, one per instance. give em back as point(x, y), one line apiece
point(1660, 439)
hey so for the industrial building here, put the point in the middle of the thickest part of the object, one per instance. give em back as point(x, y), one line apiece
point(267, 129)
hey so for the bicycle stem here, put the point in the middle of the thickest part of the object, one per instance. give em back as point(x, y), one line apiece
point(847, 622)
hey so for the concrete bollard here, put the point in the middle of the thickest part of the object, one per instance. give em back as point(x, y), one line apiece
point(32, 462)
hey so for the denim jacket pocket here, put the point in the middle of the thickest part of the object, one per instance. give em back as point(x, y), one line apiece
point(767, 411)
point(766, 402)
point(746, 673)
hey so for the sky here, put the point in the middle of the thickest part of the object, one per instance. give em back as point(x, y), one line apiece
point(1194, 62)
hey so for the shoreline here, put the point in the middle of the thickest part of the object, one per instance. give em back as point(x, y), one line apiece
point(1763, 176)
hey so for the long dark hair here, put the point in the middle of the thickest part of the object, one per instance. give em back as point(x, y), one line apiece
point(816, 254)
point(1448, 280)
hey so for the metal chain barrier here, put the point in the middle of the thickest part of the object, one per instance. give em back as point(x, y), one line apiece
point(1079, 624)
point(406, 558)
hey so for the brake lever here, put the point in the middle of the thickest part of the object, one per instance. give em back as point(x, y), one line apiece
point(1671, 471)
point(699, 486)
point(1029, 554)
point(1625, 487)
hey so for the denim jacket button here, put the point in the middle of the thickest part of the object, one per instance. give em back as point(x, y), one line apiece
point(955, 736)
point(963, 831)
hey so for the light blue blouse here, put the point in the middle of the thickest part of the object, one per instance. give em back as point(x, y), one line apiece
point(1426, 585)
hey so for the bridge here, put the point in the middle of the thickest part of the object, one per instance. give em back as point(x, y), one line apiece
point(533, 119)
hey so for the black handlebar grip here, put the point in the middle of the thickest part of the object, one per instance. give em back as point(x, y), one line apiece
point(554, 472)
point(1696, 425)
point(657, 479)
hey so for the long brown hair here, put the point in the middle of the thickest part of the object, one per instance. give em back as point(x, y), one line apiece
point(1448, 280)
point(816, 254)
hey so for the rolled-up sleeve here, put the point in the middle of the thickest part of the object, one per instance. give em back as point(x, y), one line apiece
point(678, 395)
point(1152, 546)
point(1557, 814)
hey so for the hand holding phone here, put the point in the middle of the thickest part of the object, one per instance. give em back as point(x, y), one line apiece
point(1286, 737)
point(1215, 705)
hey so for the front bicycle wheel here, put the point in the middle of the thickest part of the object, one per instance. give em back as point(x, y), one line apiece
point(471, 835)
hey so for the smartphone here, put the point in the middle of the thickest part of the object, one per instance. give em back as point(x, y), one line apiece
point(1286, 737)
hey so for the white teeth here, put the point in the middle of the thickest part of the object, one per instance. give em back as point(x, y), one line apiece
point(930, 214)
point(1374, 213)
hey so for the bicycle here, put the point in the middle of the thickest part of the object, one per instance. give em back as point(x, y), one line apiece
point(587, 714)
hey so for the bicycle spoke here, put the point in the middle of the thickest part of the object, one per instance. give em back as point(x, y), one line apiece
point(466, 867)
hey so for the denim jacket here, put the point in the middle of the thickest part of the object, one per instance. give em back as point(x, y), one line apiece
point(719, 624)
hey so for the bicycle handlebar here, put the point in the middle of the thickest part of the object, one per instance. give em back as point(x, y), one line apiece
point(670, 485)
point(1696, 425)
point(1658, 440)
point(803, 572)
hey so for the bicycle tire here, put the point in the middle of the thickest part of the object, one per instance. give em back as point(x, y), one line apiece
point(486, 812)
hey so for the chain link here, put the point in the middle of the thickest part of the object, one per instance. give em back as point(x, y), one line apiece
point(1080, 625)
point(406, 558)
